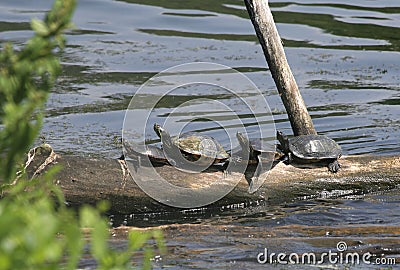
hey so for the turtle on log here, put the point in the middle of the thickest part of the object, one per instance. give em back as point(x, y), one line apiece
point(309, 149)
point(195, 146)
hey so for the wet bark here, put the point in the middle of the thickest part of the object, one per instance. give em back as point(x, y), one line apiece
point(263, 22)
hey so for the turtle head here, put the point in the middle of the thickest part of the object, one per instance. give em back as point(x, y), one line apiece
point(158, 129)
point(245, 145)
point(243, 141)
point(283, 140)
point(163, 134)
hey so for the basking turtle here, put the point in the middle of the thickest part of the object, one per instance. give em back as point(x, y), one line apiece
point(252, 149)
point(253, 153)
point(311, 149)
point(155, 154)
point(193, 145)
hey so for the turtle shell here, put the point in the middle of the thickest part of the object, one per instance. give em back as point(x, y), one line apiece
point(257, 148)
point(314, 147)
point(200, 145)
point(261, 147)
point(155, 154)
point(152, 152)
point(256, 144)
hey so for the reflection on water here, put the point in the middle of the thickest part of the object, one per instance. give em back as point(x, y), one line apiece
point(345, 57)
point(232, 237)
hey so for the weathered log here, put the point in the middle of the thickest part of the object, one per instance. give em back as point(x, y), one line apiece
point(263, 22)
point(90, 180)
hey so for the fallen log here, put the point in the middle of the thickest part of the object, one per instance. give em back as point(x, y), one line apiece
point(86, 180)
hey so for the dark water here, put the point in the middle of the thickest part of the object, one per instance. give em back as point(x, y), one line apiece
point(344, 55)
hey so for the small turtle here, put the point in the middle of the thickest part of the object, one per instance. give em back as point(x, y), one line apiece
point(194, 145)
point(307, 149)
point(155, 154)
point(252, 149)
point(253, 153)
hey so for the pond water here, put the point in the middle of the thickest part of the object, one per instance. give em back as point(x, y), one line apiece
point(345, 58)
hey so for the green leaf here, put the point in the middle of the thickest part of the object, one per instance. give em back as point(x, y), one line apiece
point(40, 27)
point(137, 239)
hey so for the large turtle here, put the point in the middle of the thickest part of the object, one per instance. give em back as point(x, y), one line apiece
point(307, 149)
point(193, 145)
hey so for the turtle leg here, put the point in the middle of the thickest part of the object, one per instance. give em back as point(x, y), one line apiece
point(172, 162)
point(258, 171)
point(287, 159)
point(226, 168)
point(225, 174)
point(256, 175)
point(334, 166)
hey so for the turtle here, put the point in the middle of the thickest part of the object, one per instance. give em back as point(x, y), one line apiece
point(194, 146)
point(153, 153)
point(307, 149)
point(251, 151)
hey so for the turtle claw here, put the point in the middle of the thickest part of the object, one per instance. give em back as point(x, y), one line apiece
point(225, 174)
point(172, 162)
point(334, 166)
point(252, 189)
point(286, 159)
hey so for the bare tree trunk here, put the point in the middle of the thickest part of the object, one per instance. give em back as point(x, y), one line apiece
point(263, 22)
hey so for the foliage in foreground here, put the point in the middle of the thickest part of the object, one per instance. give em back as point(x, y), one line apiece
point(37, 230)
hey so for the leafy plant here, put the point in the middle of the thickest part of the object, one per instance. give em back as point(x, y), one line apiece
point(37, 230)
point(26, 78)
point(110, 259)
